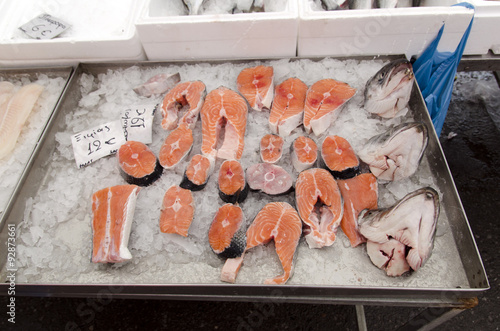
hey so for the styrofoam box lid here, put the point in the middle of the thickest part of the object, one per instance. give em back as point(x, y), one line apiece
point(378, 31)
point(88, 39)
point(218, 27)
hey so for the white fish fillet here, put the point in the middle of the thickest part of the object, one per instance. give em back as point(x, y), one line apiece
point(13, 115)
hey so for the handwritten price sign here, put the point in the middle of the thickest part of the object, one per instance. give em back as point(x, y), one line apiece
point(137, 123)
point(44, 27)
point(93, 144)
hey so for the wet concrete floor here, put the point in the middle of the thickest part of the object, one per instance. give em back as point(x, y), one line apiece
point(471, 143)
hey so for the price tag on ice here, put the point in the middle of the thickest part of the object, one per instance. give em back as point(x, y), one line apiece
point(44, 27)
point(103, 140)
point(137, 123)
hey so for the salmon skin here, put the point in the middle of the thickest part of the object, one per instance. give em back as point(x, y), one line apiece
point(224, 108)
point(189, 94)
point(287, 112)
point(323, 101)
point(158, 84)
point(271, 148)
point(320, 206)
point(138, 164)
point(359, 193)
point(339, 158)
point(411, 222)
point(396, 154)
point(176, 146)
point(269, 178)
point(177, 211)
point(227, 234)
point(277, 221)
point(256, 85)
point(113, 210)
point(304, 153)
point(197, 173)
point(233, 187)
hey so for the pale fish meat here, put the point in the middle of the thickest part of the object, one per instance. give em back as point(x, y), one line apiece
point(402, 236)
point(396, 154)
point(387, 93)
point(158, 84)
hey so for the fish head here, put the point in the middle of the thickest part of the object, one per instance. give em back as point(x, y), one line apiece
point(390, 78)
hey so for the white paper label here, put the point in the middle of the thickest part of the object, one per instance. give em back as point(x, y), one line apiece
point(44, 27)
point(137, 123)
point(103, 140)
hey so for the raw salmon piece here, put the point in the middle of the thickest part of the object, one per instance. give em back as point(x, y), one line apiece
point(177, 211)
point(288, 106)
point(138, 164)
point(176, 146)
point(304, 153)
point(189, 94)
point(359, 193)
point(277, 221)
point(271, 148)
point(232, 184)
point(157, 85)
point(113, 210)
point(320, 206)
point(224, 108)
point(14, 113)
point(256, 85)
point(339, 158)
point(269, 178)
point(197, 173)
point(323, 101)
point(227, 235)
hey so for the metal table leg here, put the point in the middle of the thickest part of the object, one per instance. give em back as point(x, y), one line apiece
point(360, 316)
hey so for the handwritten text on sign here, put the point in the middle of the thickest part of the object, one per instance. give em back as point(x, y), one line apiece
point(44, 27)
point(137, 123)
point(103, 140)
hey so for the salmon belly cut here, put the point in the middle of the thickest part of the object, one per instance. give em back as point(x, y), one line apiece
point(186, 94)
point(288, 106)
point(113, 210)
point(256, 85)
point(277, 221)
point(359, 193)
point(320, 206)
point(223, 109)
point(177, 211)
point(323, 101)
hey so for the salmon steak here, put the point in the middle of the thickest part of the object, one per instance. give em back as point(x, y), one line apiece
point(227, 234)
point(339, 158)
point(186, 94)
point(269, 178)
point(271, 148)
point(233, 187)
point(320, 206)
point(225, 110)
point(359, 193)
point(113, 210)
point(256, 85)
point(197, 173)
point(177, 211)
point(323, 103)
point(303, 153)
point(288, 106)
point(277, 221)
point(138, 164)
point(176, 146)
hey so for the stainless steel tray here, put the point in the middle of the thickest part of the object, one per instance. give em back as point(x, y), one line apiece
point(465, 246)
point(46, 106)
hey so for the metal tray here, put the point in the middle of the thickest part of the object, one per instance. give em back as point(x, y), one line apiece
point(48, 106)
point(428, 296)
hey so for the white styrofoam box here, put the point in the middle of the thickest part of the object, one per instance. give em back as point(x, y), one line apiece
point(485, 32)
point(378, 31)
point(222, 36)
point(100, 31)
